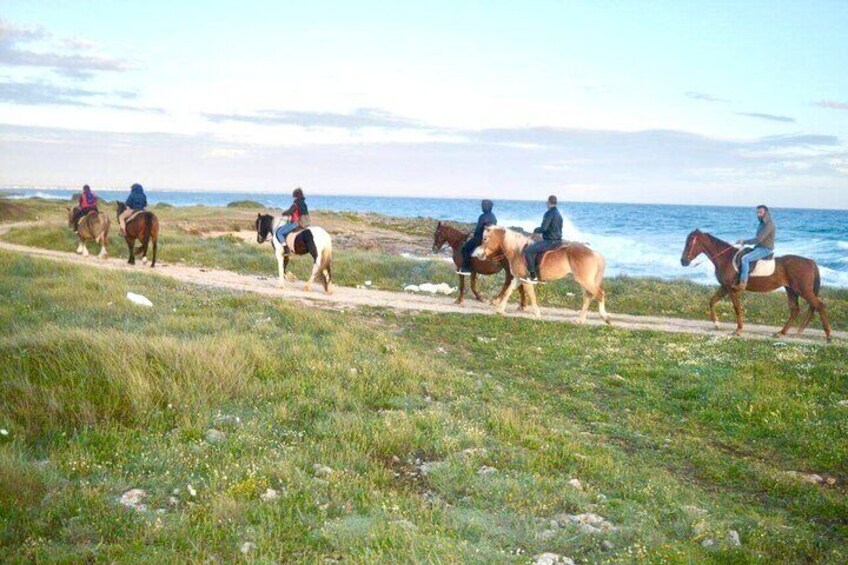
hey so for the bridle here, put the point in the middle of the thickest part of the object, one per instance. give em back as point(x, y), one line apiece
point(707, 253)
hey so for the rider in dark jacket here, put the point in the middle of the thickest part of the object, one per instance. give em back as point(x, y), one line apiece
point(551, 230)
point(135, 201)
point(298, 214)
point(487, 218)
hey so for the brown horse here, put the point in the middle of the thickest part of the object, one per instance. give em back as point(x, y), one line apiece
point(456, 238)
point(586, 265)
point(94, 226)
point(145, 228)
point(798, 275)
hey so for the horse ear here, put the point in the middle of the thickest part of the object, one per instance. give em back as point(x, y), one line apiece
point(258, 215)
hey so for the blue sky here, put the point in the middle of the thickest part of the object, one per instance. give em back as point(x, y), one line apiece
point(679, 102)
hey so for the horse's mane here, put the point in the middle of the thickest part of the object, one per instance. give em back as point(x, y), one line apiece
point(512, 238)
point(715, 240)
point(450, 228)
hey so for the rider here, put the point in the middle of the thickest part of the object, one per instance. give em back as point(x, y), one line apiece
point(87, 203)
point(136, 201)
point(487, 218)
point(298, 215)
point(551, 230)
point(763, 245)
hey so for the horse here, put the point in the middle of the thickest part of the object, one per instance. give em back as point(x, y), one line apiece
point(313, 240)
point(144, 227)
point(585, 264)
point(798, 275)
point(94, 226)
point(456, 238)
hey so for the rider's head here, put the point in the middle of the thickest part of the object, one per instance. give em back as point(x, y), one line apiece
point(86, 188)
point(298, 193)
point(487, 205)
point(762, 210)
point(552, 201)
point(136, 187)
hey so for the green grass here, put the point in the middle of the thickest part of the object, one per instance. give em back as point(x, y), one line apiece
point(180, 243)
point(100, 396)
point(245, 204)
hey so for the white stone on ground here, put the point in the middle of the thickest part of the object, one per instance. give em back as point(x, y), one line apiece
point(269, 495)
point(133, 499)
point(552, 559)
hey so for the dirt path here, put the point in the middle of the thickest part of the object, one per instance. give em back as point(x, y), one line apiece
point(346, 297)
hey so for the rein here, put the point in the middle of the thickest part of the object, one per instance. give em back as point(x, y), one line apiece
point(711, 256)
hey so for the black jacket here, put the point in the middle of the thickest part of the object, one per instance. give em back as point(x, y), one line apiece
point(551, 229)
point(487, 218)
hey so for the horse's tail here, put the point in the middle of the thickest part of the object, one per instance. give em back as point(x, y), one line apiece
point(153, 233)
point(817, 281)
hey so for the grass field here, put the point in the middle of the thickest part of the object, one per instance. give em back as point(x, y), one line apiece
point(180, 242)
point(393, 437)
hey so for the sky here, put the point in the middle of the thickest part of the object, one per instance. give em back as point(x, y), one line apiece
point(732, 103)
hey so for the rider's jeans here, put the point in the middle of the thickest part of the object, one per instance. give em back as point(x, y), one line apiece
point(755, 255)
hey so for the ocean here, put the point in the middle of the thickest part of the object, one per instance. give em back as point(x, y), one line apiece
point(638, 240)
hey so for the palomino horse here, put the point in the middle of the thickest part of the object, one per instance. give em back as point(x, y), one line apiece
point(144, 227)
point(586, 265)
point(456, 238)
point(798, 275)
point(94, 226)
point(313, 240)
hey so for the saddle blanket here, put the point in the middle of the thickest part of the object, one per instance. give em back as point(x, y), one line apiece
point(132, 216)
point(762, 268)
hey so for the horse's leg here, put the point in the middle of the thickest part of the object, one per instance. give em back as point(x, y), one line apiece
point(522, 305)
point(505, 299)
point(587, 299)
point(602, 309)
point(737, 307)
point(816, 305)
point(84, 248)
point(131, 244)
point(316, 265)
point(102, 241)
point(80, 247)
point(794, 309)
point(720, 293)
point(461, 290)
point(499, 296)
point(532, 292)
point(145, 241)
point(282, 263)
point(327, 272)
point(474, 287)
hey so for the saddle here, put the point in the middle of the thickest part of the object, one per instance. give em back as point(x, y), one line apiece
point(760, 268)
point(289, 240)
point(133, 216)
point(565, 243)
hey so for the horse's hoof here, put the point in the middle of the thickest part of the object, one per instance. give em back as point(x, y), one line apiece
point(778, 335)
point(608, 321)
point(829, 339)
point(458, 301)
point(329, 291)
point(308, 287)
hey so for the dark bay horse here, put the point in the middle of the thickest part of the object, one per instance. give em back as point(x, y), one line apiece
point(145, 228)
point(455, 238)
point(798, 275)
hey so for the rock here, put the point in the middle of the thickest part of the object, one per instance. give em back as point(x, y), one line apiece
point(811, 478)
point(138, 299)
point(709, 544)
point(842, 403)
point(546, 534)
point(732, 539)
point(247, 547)
point(485, 470)
point(830, 481)
point(133, 499)
point(693, 510)
point(213, 436)
point(173, 501)
point(552, 559)
point(576, 484)
point(322, 470)
point(482, 451)
point(607, 545)
point(4, 432)
point(597, 523)
point(226, 421)
point(269, 495)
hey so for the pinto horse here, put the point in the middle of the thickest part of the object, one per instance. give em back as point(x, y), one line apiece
point(94, 226)
point(798, 275)
point(585, 264)
point(456, 238)
point(313, 240)
point(145, 228)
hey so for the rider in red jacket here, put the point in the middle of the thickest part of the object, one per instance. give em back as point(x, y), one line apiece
point(87, 203)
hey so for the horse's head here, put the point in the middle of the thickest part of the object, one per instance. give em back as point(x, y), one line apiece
point(121, 207)
point(264, 227)
point(492, 244)
point(692, 249)
point(439, 238)
point(71, 212)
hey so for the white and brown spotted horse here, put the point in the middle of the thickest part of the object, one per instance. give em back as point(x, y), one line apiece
point(312, 240)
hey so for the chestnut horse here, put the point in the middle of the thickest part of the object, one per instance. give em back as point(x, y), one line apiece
point(456, 238)
point(798, 275)
point(94, 226)
point(585, 264)
point(145, 228)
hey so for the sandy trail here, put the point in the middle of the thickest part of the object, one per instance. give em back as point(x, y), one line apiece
point(346, 297)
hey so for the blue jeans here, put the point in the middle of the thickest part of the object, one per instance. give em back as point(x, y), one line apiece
point(285, 230)
point(745, 263)
point(535, 248)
